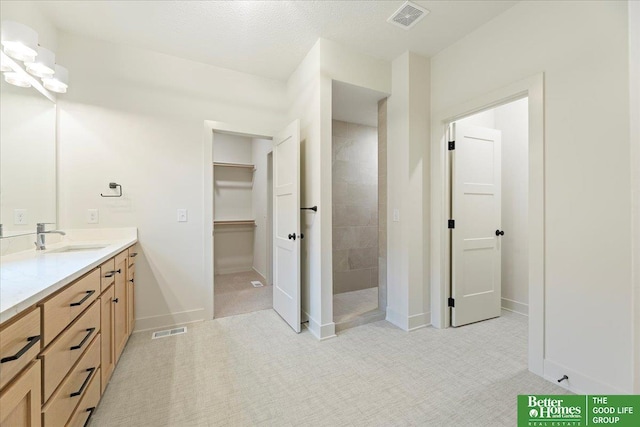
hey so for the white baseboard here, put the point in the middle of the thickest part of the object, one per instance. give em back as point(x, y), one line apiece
point(515, 306)
point(321, 332)
point(169, 320)
point(408, 323)
point(577, 383)
point(230, 270)
point(262, 274)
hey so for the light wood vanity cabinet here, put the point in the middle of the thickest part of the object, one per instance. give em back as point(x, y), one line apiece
point(58, 356)
point(120, 329)
point(20, 400)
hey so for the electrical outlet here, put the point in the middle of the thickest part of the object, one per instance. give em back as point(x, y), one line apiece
point(396, 215)
point(92, 216)
point(20, 217)
point(182, 215)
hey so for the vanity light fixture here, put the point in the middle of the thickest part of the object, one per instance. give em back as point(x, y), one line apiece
point(19, 41)
point(17, 79)
point(44, 64)
point(4, 66)
point(59, 82)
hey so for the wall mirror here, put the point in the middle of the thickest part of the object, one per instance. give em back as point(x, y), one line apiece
point(27, 159)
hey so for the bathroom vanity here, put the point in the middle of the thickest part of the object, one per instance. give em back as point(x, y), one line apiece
point(65, 316)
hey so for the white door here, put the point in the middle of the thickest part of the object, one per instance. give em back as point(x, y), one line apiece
point(475, 236)
point(286, 224)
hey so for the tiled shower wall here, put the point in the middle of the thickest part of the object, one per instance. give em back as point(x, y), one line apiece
point(355, 207)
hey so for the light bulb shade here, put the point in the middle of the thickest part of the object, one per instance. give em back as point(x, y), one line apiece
point(19, 41)
point(44, 64)
point(4, 66)
point(59, 82)
point(17, 79)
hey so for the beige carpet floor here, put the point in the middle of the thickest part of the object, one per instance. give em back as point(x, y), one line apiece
point(234, 294)
point(349, 305)
point(252, 369)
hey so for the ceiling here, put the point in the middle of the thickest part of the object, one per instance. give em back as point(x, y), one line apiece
point(268, 38)
point(355, 104)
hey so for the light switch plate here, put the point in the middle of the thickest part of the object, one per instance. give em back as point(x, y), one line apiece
point(182, 215)
point(396, 215)
point(92, 216)
point(20, 217)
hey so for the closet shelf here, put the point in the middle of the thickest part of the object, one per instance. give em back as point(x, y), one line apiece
point(235, 222)
point(235, 165)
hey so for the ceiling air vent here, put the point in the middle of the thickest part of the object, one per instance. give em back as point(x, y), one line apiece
point(408, 15)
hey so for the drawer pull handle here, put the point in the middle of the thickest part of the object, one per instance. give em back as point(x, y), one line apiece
point(90, 411)
point(110, 274)
point(86, 297)
point(84, 340)
point(84, 384)
point(116, 300)
point(131, 280)
point(133, 255)
point(31, 342)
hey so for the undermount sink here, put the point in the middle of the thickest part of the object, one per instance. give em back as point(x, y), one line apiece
point(76, 248)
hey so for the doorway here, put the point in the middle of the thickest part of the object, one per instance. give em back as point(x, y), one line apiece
point(359, 205)
point(532, 88)
point(242, 223)
point(488, 206)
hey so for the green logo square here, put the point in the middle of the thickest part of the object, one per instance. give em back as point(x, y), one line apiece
point(578, 410)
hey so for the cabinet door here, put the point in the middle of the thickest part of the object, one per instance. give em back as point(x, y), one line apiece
point(108, 356)
point(131, 274)
point(20, 400)
point(120, 307)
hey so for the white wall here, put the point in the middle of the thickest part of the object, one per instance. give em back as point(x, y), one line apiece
point(130, 117)
point(309, 96)
point(512, 120)
point(303, 94)
point(260, 148)
point(588, 310)
point(408, 115)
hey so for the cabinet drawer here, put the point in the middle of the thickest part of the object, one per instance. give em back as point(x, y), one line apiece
point(59, 408)
point(107, 274)
point(20, 400)
point(59, 357)
point(61, 309)
point(19, 344)
point(87, 404)
point(133, 253)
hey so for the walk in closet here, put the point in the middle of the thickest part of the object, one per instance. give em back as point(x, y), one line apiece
point(242, 224)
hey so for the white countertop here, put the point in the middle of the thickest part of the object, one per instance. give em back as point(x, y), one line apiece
point(29, 276)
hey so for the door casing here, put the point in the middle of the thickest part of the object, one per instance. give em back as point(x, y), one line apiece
point(209, 128)
point(533, 89)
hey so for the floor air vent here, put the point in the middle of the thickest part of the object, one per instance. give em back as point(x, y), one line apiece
point(169, 332)
point(408, 15)
point(257, 284)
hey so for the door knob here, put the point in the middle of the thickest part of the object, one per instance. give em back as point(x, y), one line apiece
point(292, 236)
point(499, 233)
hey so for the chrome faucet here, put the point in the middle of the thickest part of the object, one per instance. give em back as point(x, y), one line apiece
point(40, 235)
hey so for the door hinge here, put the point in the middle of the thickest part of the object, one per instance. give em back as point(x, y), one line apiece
point(452, 145)
point(451, 223)
point(451, 302)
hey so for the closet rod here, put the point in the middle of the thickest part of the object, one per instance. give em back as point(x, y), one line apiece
point(235, 222)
